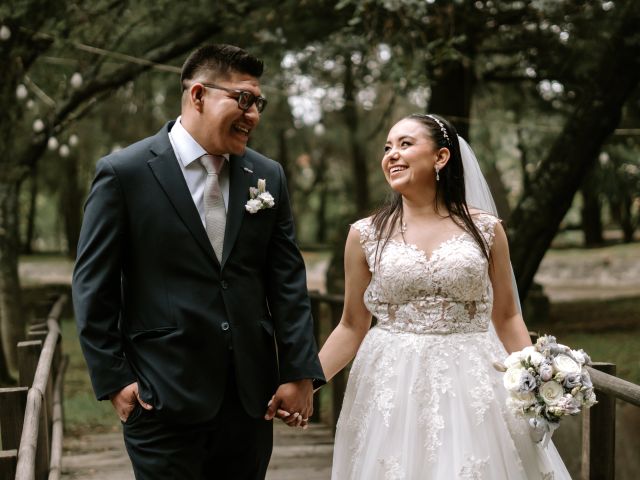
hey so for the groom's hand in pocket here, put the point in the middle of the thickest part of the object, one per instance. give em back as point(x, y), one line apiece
point(125, 401)
point(292, 402)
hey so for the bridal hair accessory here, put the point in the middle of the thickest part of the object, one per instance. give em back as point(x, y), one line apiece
point(546, 382)
point(259, 198)
point(443, 129)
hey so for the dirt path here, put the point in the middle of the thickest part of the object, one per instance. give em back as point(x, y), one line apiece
point(297, 454)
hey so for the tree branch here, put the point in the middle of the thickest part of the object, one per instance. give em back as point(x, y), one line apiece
point(114, 80)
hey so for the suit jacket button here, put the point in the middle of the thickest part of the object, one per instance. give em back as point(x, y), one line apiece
point(225, 326)
point(224, 284)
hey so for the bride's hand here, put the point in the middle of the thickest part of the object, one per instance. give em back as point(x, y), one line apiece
point(292, 402)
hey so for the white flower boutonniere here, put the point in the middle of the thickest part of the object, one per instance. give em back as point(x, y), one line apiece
point(259, 198)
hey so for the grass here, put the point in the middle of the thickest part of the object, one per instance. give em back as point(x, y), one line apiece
point(82, 411)
point(619, 347)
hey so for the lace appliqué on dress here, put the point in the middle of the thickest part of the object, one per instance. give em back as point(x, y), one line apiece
point(473, 468)
point(392, 468)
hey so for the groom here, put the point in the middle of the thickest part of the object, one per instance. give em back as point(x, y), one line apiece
point(192, 309)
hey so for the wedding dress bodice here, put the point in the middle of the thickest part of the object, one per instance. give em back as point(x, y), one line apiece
point(448, 292)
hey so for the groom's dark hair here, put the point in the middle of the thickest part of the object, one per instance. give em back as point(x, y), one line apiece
point(219, 61)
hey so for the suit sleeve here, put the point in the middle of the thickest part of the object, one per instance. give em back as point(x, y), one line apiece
point(96, 283)
point(288, 299)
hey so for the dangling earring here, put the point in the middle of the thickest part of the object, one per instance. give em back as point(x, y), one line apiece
point(437, 173)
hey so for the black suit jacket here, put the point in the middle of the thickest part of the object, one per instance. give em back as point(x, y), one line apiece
point(154, 305)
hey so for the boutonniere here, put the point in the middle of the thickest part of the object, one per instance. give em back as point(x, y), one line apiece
point(259, 198)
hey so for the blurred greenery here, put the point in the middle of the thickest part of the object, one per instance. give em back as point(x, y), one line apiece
point(619, 347)
point(82, 412)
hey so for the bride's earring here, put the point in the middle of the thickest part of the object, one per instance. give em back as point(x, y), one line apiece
point(437, 173)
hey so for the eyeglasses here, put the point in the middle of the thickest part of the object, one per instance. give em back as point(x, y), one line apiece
point(245, 99)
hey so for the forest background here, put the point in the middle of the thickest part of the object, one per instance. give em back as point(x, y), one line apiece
point(546, 91)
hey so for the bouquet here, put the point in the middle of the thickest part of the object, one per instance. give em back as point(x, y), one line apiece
point(547, 381)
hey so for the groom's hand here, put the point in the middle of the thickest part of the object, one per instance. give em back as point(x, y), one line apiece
point(292, 402)
point(125, 401)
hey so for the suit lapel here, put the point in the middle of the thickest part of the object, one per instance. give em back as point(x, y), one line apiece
point(240, 179)
point(168, 174)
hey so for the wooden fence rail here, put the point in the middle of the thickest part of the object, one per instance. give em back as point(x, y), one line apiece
point(30, 415)
point(598, 425)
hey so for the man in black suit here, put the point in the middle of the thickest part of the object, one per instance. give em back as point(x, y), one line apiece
point(190, 299)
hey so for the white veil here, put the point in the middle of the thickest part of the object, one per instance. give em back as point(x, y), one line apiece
point(478, 194)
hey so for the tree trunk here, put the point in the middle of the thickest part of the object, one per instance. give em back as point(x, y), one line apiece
point(11, 312)
point(591, 210)
point(321, 213)
point(621, 213)
point(591, 219)
point(358, 161)
point(535, 220)
point(71, 206)
point(27, 244)
point(451, 94)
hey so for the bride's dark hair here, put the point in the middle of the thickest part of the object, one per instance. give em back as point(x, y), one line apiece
point(449, 189)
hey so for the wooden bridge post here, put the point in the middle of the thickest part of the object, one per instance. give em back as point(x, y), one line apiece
point(317, 330)
point(8, 463)
point(599, 433)
point(13, 402)
point(28, 355)
point(339, 382)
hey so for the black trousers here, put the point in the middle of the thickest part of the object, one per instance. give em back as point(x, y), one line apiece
point(232, 446)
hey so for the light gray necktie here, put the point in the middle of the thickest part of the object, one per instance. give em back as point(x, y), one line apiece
point(215, 216)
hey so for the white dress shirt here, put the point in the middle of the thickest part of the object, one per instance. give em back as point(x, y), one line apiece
point(188, 151)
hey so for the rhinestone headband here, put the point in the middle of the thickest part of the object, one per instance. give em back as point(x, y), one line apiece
point(443, 129)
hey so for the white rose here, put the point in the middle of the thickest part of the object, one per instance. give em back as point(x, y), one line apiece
point(267, 199)
point(511, 379)
point(536, 358)
point(565, 364)
point(262, 185)
point(579, 356)
point(551, 392)
point(513, 360)
point(253, 206)
point(521, 401)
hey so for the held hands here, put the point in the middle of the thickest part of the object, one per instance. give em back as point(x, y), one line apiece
point(292, 403)
point(125, 401)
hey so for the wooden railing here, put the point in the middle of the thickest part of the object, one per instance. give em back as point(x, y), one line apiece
point(31, 414)
point(598, 425)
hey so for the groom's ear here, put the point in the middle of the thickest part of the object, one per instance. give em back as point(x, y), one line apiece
point(196, 93)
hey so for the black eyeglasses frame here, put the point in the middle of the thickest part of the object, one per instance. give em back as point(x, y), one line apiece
point(244, 98)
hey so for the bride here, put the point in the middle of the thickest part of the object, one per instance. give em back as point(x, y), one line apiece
point(423, 400)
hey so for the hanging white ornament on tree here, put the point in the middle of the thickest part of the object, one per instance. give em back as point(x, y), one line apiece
point(38, 125)
point(73, 140)
point(5, 33)
point(64, 150)
point(21, 92)
point(30, 103)
point(52, 143)
point(76, 80)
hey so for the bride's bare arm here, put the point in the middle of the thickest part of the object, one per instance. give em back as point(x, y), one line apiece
point(344, 341)
point(507, 320)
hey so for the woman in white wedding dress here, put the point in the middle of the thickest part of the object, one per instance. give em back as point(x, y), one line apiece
point(423, 400)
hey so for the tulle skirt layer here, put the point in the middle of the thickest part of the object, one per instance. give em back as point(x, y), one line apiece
point(433, 407)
